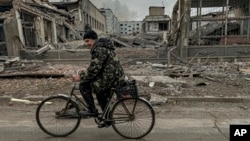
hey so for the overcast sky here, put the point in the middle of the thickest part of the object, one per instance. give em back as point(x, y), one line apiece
point(134, 9)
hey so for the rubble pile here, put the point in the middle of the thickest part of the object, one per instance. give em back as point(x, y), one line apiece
point(155, 81)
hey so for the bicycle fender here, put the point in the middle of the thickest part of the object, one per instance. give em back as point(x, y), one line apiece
point(64, 95)
point(145, 100)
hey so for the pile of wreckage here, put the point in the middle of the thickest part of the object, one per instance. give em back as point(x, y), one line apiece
point(50, 33)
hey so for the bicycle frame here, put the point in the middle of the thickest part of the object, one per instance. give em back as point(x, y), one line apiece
point(105, 115)
point(73, 97)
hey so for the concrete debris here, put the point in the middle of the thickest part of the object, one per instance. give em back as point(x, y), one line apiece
point(25, 101)
point(245, 71)
point(216, 79)
point(248, 79)
point(161, 79)
point(120, 42)
point(28, 102)
point(76, 44)
point(139, 63)
point(12, 60)
point(1, 67)
point(43, 49)
point(159, 66)
point(151, 84)
point(158, 100)
point(77, 35)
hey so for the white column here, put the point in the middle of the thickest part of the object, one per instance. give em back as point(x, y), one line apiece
point(54, 33)
point(19, 26)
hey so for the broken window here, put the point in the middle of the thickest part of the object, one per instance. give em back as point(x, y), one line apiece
point(3, 49)
point(28, 29)
point(48, 31)
point(2, 37)
point(163, 26)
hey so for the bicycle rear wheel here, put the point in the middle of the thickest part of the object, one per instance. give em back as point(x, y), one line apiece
point(50, 116)
point(133, 118)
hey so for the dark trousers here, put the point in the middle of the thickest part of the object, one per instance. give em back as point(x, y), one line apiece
point(102, 96)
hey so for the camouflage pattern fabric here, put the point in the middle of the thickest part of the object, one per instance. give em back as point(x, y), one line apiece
point(104, 70)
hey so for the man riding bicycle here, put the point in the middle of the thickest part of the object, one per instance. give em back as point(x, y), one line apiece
point(103, 73)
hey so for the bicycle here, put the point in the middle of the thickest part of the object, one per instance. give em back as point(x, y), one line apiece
point(131, 116)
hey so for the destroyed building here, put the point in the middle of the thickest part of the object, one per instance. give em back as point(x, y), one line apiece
point(156, 21)
point(112, 23)
point(130, 27)
point(202, 29)
point(84, 14)
point(211, 29)
point(32, 27)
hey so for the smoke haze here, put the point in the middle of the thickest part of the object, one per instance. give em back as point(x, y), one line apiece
point(121, 11)
point(133, 9)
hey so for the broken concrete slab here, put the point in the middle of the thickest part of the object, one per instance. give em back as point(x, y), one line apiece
point(72, 45)
point(78, 36)
point(15, 59)
point(157, 99)
point(159, 66)
point(161, 79)
point(43, 49)
point(120, 42)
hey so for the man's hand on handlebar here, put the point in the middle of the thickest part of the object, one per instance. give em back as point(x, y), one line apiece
point(80, 73)
point(76, 78)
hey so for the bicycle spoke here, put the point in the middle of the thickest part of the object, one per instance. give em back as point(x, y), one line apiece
point(133, 118)
point(50, 120)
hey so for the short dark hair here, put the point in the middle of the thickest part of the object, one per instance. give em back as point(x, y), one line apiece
point(90, 34)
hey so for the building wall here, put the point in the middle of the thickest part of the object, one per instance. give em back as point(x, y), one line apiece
point(156, 10)
point(12, 42)
point(84, 13)
point(156, 21)
point(93, 17)
point(152, 24)
point(130, 27)
point(112, 23)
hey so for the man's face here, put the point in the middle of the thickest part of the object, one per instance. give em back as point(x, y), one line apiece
point(89, 43)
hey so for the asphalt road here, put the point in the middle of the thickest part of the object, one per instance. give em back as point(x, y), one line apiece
point(191, 121)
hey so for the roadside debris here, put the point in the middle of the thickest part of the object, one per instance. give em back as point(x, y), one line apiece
point(25, 101)
point(28, 102)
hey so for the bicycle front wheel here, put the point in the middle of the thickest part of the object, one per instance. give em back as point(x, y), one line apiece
point(51, 118)
point(133, 118)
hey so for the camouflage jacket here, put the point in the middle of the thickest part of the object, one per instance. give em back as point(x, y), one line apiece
point(104, 70)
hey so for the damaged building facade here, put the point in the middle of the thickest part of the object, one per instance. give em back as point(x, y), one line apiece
point(130, 27)
point(111, 21)
point(35, 26)
point(218, 29)
point(156, 21)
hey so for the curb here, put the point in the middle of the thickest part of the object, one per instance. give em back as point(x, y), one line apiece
point(211, 99)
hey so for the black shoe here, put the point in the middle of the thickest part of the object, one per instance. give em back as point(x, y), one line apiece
point(105, 124)
point(91, 113)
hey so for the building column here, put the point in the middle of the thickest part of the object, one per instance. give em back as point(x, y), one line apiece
point(185, 21)
point(19, 27)
point(54, 33)
point(40, 34)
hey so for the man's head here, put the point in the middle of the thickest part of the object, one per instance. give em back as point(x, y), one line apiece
point(89, 38)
